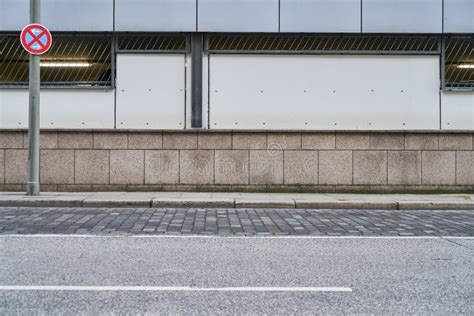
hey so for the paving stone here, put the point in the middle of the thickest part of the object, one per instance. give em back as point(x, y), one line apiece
point(233, 222)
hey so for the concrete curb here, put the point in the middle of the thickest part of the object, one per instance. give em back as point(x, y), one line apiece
point(197, 202)
point(367, 205)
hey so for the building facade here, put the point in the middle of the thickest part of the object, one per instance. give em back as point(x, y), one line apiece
point(244, 95)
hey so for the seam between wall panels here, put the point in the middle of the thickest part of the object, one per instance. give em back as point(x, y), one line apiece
point(279, 15)
point(361, 16)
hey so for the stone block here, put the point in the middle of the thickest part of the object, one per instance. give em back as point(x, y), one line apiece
point(127, 166)
point(370, 167)
point(74, 188)
point(92, 167)
point(214, 140)
point(11, 140)
point(266, 167)
point(387, 141)
point(335, 167)
point(232, 167)
point(76, 140)
point(57, 166)
point(438, 167)
point(145, 140)
point(161, 167)
point(179, 140)
point(48, 140)
point(2, 166)
point(465, 167)
point(455, 142)
point(421, 141)
point(318, 141)
point(249, 140)
point(283, 141)
point(301, 167)
point(110, 140)
point(15, 166)
point(352, 140)
point(404, 167)
point(196, 167)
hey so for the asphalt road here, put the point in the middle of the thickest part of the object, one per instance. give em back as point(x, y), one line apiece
point(236, 275)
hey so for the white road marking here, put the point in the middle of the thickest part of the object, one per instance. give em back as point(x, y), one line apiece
point(169, 288)
point(230, 237)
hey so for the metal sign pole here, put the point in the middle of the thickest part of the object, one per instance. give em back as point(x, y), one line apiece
point(33, 184)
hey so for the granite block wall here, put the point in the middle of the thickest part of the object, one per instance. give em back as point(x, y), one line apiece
point(243, 161)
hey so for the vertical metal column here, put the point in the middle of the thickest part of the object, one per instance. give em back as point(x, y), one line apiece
point(33, 184)
point(196, 79)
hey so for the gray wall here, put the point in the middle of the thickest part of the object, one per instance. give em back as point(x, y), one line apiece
point(331, 16)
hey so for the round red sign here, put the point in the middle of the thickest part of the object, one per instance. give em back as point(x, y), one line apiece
point(36, 39)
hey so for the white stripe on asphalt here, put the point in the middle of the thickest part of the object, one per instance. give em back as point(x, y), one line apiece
point(169, 288)
point(231, 236)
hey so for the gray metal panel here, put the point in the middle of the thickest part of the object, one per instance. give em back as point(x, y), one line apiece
point(238, 16)
point(14, 14)
point(458, 16)
point(60, 15)
point(84, 15)
point(155, 15)
point(402, 16)
point(329, 16)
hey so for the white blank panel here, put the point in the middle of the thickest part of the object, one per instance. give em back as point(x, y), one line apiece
point(63, 109)
point(324, 92)
point(320, 16)
point(402, 16)
point(150, 91)
point(457, 110)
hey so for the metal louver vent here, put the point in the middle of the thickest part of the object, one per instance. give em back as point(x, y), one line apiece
point(459, 63)
point(73, 61)
point(323, 44)
point(152, 43)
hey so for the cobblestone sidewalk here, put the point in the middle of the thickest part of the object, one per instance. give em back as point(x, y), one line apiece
point(229, 222)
